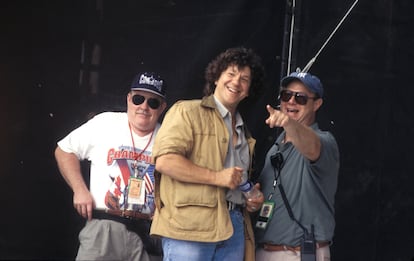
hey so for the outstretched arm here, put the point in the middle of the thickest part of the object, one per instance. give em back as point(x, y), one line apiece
point(301, 136)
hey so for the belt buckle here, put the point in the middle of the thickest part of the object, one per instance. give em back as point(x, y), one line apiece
point(129, 214)
point(231, 205)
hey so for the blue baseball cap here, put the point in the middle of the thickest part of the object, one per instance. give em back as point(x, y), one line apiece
point(311, 81)
point(150, 82)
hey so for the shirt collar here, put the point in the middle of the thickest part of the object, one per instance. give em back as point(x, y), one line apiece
point(224, 112)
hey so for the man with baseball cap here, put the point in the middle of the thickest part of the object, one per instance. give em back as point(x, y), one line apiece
point(119, 203)
point(299, 177)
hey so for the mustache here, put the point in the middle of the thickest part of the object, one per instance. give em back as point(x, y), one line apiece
point(143, 112)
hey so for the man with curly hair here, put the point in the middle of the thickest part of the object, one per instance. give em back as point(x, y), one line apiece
point(203, 152)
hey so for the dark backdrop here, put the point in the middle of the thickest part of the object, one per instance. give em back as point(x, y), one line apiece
point(46, 66)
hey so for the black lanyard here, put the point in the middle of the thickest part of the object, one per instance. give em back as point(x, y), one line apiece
point(277, 162)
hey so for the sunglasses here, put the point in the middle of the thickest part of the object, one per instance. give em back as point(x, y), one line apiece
point(153, 103)
point(300, 97)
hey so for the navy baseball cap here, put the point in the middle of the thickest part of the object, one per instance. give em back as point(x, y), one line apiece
point(149, 82)
point(311, 81)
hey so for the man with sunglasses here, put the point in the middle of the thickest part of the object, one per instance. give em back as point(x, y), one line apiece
point(203, 152)
point(298, 178)
point(119, 203)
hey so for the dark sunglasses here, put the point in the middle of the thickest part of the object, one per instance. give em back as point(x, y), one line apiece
point(300, 97)
point(153, 103)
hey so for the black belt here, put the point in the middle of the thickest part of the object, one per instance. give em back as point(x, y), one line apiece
point(233, 206)
point(101, 214)
point(127, 214)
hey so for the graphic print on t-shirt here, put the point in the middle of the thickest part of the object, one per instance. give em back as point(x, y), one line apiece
point(139, 169)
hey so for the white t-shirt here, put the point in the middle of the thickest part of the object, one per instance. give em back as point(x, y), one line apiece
point(106, 141)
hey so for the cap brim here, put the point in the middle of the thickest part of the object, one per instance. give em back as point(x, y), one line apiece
point(147, 90)
point(288, 79)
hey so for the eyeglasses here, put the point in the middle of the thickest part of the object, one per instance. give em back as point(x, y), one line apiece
point(153, 103)
point(300, 97)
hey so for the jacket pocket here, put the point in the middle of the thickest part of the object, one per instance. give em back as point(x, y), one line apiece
point(195, 195)
point(195, 207)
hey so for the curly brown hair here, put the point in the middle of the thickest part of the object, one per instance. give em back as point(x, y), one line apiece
point(241, 57)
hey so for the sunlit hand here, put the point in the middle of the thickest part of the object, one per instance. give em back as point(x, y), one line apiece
point(230, 177)
point(255, 203)
point(276, 118)
point(83, 203)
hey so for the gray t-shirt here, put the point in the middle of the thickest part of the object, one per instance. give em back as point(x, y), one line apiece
point(310, 188)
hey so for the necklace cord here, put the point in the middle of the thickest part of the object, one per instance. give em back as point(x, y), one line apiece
point(136, 157)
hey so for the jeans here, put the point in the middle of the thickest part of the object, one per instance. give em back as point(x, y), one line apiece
point(231, 249)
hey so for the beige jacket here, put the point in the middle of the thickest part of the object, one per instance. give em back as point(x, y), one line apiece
point(195, 212)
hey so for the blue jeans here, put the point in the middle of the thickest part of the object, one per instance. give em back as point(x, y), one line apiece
point(231, 249)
